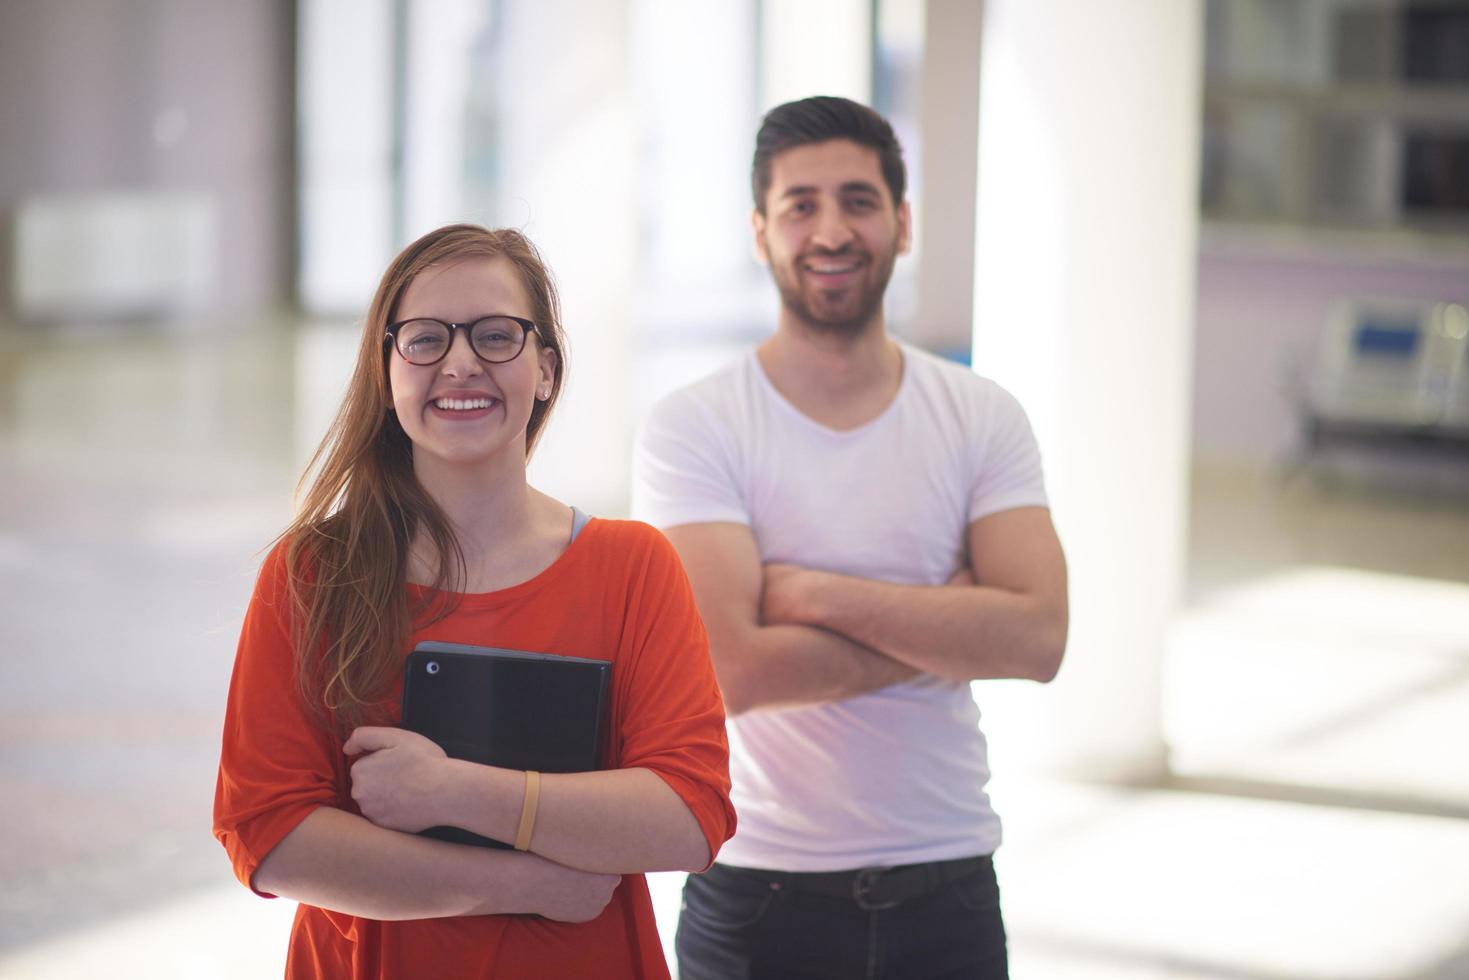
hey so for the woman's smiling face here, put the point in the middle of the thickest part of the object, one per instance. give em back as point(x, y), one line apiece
point(462, 409)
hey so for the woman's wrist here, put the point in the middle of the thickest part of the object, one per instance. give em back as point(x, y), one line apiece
point(485, 800)
point(510, 883)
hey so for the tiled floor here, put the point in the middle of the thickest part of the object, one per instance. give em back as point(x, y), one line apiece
point(1319, 826)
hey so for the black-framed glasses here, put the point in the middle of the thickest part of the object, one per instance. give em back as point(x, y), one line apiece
point(496, 339)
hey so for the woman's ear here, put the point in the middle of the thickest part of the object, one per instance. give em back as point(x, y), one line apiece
point(547, 362)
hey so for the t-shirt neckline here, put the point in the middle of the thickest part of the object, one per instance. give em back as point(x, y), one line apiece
point(532, 584)
point(826, 430)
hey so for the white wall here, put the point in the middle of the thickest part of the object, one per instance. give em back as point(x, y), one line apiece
point(158, 95)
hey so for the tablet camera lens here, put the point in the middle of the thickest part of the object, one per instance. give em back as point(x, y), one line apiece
point(433, 667)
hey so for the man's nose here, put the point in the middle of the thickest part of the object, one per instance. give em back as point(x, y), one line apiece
point(832, 230)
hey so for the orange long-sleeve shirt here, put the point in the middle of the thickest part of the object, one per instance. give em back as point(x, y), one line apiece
point(618, 593)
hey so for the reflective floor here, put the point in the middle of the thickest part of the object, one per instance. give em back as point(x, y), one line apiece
point(1318, 824)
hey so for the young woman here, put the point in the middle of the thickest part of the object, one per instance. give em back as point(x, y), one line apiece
point(418, 524)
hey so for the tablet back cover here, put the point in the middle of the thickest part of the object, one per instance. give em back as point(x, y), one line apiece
point(509, 708)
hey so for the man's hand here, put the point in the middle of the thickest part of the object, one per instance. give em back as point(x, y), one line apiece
point(764, 656)
point(788, 592)
point(1004, 615)
point(783, 599)
point(399, 779)
point(786, 595)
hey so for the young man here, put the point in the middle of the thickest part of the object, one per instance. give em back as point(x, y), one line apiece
point(866, 530)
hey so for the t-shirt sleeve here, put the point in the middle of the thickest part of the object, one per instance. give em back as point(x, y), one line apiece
point(277, 763)
point(685, 468)
point(1008, 461)
point(673, 719)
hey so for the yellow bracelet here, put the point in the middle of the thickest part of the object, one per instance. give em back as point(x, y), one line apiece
point(528, 810)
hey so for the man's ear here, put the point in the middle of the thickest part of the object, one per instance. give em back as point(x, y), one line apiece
point(757, 226)
point(905, 228)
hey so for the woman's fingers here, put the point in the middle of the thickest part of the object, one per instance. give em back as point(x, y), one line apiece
point(369, 739)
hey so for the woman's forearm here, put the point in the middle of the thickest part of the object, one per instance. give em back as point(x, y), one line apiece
point(616, 821)
point(619, 821)
point(343, 862)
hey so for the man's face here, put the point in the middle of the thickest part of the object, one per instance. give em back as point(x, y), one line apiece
point(830, 233)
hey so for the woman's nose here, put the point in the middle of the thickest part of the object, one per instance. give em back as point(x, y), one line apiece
point(461, 361)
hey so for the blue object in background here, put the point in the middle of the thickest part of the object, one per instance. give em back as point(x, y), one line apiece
point(1393, 339)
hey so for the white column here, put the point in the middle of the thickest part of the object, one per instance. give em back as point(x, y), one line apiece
point(815, 47)
point(441, 36)
point(945, 222)
point(566, 178)
point(346, 167)
point(694, 146)
point(1087, 220)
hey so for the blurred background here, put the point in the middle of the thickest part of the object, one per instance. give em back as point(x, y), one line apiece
point(1219, 249)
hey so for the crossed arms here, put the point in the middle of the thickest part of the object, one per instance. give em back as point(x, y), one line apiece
point(784, 635)
point(590, 829)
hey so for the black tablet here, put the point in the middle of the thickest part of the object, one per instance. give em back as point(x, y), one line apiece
point(510, 708)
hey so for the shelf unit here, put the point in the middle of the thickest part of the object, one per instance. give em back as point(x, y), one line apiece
point(1338, 114)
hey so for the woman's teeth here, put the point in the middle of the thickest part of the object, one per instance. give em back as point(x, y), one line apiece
point(461, 404)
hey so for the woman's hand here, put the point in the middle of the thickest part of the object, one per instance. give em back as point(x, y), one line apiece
point(568, 895)
point(401, 779)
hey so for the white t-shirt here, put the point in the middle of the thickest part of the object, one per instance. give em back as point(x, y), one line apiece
point(895, 776)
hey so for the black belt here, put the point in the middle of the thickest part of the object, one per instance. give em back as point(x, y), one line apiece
point(872, 889)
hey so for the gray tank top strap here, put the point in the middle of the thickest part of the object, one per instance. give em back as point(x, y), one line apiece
point(579, 520)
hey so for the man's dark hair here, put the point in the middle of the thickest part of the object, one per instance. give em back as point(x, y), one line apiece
point(816, 120)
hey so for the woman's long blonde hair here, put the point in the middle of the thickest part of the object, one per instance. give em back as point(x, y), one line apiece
point(359, 504)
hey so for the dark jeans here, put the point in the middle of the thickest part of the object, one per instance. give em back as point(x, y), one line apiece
point(738, 925)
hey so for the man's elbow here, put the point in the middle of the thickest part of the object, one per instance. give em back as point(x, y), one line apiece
point(737, 676)
point(737, 691)
point(1045, 657)
point(1045, 670)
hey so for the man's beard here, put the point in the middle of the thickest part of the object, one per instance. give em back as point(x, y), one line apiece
point(854, 315)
